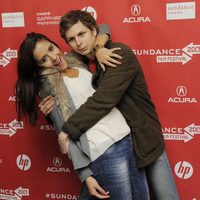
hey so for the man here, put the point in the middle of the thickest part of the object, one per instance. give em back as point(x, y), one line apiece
point(123, 87)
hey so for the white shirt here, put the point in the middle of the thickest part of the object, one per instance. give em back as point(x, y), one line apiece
point(109, 129)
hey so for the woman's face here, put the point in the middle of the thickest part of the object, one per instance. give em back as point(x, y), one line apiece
point(48, 55)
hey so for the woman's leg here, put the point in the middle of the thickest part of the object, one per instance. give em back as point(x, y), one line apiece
point(116, 172)
point(161, 179)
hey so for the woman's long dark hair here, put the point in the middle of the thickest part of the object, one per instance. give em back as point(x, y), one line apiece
point(29, 77)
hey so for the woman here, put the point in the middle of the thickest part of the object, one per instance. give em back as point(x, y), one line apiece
point(49, 72)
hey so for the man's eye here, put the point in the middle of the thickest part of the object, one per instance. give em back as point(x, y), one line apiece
point(70, 39)
point(82, 34)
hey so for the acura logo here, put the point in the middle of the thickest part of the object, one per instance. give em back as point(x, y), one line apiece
point(57, 162)
point(181, 91)
point(135, 10)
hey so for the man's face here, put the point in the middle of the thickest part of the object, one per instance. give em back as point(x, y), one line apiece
point(81, 39)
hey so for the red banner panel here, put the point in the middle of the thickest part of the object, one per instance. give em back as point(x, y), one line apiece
point(163, 34)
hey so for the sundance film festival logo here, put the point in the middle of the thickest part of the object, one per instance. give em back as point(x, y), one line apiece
point(181, 97)
point(192, 49)
point(183, 170)
point(6, 56)
point(16, 194)
point(9, 129)
point(23, 162)
point(57, 166)
point(91, 10)
point(186, 55)
point(178, 11)
point(182, 134)
point(136, 15)
point(15, 19)
point(182, 56)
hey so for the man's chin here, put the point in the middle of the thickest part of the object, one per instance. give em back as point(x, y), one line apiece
point(83, 53)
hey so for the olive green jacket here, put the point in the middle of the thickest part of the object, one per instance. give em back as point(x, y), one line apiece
point(123, 87)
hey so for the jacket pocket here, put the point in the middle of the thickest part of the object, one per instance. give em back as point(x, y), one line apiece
point(146, 137)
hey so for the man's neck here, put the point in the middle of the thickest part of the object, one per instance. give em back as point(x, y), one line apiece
point(92, 63)
point(91, 56)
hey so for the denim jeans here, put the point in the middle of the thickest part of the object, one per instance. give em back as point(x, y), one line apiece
point(116, 172)
point(161, 179)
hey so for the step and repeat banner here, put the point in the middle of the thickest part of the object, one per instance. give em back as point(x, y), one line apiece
point(165, 37)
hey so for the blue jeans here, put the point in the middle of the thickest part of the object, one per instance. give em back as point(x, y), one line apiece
point(161, 179)
point(116, 172)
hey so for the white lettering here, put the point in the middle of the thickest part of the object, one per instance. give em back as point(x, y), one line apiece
point(6, 191)
point(60, 169)
point(136, 19)
point(172, 130)
point(157, 51)
point(181, 100)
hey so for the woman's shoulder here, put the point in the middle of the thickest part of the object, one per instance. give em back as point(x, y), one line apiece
point(74, 60)
point(83, 71)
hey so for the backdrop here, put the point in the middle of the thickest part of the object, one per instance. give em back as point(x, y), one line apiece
point(165, 37)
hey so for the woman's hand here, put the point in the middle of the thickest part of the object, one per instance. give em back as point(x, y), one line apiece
point(95, 189)
point(108, 57)
point(63, 141)
point(46, 105)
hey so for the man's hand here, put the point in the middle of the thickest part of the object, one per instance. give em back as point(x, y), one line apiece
point(46, 105)
point(95, 189)
point(63, 141)
point(108, 57)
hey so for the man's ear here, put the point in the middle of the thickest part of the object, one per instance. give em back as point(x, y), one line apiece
point(94, 31)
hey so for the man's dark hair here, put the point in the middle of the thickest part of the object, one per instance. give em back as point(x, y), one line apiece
point(74, 16)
